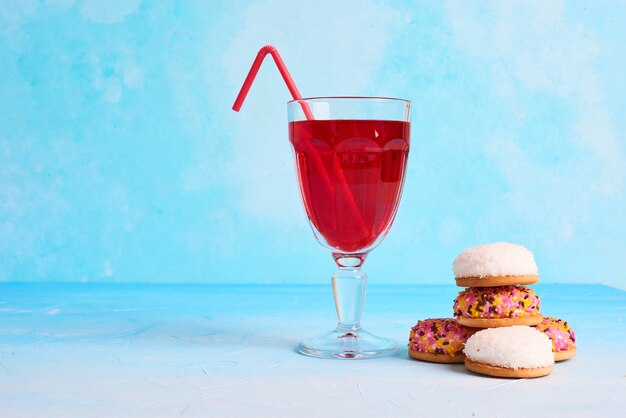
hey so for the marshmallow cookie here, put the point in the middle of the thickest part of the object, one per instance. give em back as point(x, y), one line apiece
point(562, 337)
point(517, 351)
point(439, 340)
point(498, 264)
point(490, 307)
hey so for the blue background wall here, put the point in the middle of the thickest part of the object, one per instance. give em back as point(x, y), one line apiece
point(120, 159)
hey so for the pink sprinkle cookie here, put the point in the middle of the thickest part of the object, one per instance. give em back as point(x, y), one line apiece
point(439, 340)
point(561, 335)
point(486, 307)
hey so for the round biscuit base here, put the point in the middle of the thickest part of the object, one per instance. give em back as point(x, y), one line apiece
point(497, 371)
point(493, 281)
point(565, 355)
point(437, 358)
point(499, 322)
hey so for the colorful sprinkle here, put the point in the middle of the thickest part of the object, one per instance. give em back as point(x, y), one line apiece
point(496, 302)
point(562, 335)
point(439, 336)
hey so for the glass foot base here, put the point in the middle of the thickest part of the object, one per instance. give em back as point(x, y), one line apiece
point(351, 344)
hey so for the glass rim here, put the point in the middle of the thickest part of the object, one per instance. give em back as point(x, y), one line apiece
point(372, 98)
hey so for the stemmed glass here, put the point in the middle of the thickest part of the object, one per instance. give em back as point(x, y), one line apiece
point(351, 155)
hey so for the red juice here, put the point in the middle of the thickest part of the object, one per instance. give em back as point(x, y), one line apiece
point(351, 174)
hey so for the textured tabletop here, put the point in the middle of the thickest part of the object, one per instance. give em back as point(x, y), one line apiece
point(228, 351)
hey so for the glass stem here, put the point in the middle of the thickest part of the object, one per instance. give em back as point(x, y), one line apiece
point(349, 285)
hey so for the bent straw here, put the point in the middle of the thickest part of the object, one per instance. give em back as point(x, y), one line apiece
point(291, 85)
point(282, 68)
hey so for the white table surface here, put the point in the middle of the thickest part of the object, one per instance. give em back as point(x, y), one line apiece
point(81, 350)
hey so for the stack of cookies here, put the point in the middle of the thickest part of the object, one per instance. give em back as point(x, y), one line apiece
point(496, 296)
point(498, 328)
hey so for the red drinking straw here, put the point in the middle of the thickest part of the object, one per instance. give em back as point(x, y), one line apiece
point(245, 88)
point(270, 49)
